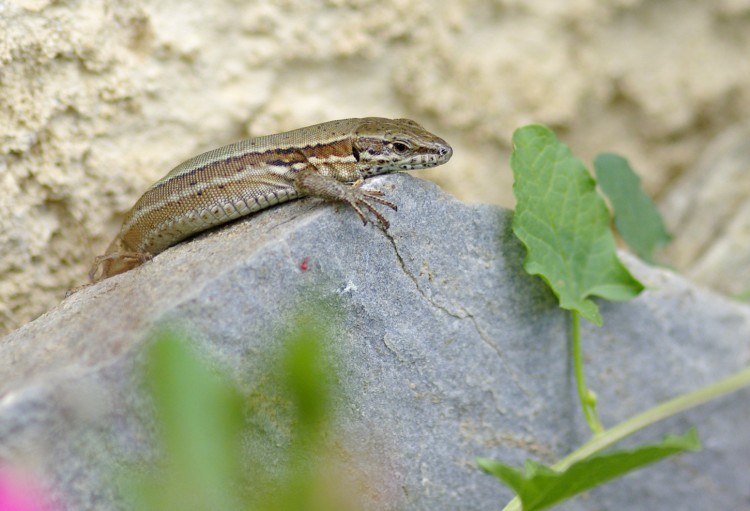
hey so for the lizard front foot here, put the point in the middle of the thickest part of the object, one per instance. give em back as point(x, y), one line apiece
point(314, 184)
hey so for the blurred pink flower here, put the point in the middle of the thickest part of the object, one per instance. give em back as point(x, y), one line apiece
point(19, 493)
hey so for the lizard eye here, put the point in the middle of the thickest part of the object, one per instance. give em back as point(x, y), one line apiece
point(400, 147)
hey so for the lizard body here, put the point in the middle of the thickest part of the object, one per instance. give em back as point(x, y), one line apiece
point(250, 175)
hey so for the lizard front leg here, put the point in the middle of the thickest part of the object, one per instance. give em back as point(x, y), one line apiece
point(311, 182)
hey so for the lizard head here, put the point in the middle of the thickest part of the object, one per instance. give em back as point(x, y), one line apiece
point(388, 145)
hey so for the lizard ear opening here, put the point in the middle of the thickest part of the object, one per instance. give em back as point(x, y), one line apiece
point(355, 152)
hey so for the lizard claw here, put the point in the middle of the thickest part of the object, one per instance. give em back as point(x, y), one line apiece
point(128, 259)
point(326, 187)
point(366, 198)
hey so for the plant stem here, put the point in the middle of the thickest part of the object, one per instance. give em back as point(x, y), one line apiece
point(587, 398)
point(651, 416)
point(654, 415)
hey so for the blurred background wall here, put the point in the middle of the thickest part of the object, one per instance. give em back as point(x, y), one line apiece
point(98, 99)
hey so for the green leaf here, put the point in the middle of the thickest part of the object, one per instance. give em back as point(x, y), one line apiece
point(295, 404)
point(564, 224)
point(200, 416)
point(636, 216)
point(540, 487)
point(307, 374)
point(271, 449)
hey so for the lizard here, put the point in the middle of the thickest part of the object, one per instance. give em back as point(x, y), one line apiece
point(328, 160)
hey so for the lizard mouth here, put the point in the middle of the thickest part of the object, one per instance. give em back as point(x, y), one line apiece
point(442, 154)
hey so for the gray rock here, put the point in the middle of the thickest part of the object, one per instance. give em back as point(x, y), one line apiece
point(449, 352)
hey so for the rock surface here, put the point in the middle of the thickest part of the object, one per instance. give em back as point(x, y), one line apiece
point(450, 352)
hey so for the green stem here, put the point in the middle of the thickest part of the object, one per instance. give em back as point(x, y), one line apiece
point(587, 398)
point(647, 418)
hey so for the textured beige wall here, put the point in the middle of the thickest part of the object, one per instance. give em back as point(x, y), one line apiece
point(98, 99)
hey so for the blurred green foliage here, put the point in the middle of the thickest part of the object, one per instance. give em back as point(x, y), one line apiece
point(636, 217)
point(266, 449)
